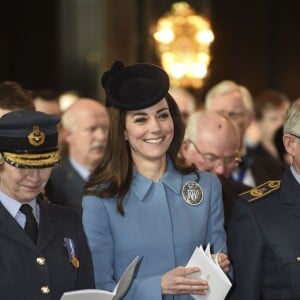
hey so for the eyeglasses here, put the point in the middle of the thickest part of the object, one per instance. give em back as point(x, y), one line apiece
point(295, 135)
point(211, 158)
point(234, 115)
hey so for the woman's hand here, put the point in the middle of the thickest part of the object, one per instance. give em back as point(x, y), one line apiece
point(223, 261)
point(175, 282)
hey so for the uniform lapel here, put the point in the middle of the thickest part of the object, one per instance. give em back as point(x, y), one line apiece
point(290, 187)
point(10, 228)
point(47, 226)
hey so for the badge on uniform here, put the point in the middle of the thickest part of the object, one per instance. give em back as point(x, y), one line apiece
point(192, 193)
point(70, 246)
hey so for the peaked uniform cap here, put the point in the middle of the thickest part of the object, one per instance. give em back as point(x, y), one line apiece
point(134, 87)
point(29, 139)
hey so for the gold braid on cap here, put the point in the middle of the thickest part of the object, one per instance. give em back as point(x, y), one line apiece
point(29, 160)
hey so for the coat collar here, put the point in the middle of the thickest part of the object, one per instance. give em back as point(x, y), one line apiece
point(141, 185)
point(289, 188)
point(290, 191)
point(10, 228)
point(47, 227)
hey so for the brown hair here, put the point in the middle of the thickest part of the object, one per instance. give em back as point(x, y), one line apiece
point(13, 96)
point(269, 99)
point(114, 173)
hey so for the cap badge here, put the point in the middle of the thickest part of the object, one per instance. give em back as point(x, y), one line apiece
point(192, 193)
point(36, 137)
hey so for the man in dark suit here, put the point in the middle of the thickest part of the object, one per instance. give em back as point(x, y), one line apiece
point(84, 128)
point(256, 169)
point(211, 143)
point(264, 232)
point(44, 251)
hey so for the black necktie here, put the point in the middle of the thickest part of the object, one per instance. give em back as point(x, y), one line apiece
point(31, 226)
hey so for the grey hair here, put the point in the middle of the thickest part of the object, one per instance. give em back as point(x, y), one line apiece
point(68, 120)
point(292, 119)
point(227, 86)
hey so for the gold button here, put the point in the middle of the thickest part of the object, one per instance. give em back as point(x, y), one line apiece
point(45, 289)
point(41, 261)
point(298, 258)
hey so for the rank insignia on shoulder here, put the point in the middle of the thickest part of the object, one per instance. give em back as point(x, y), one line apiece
point(260, 191)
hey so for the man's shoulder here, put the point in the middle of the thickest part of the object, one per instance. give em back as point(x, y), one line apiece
point(260, 191)
point(63, 173)
point(63, 166)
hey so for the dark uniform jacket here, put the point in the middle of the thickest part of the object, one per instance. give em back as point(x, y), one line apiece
point(43, 271)
point(230, 192)
point(264, 242)
point(65, 186)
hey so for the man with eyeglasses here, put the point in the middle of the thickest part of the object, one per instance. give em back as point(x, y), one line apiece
point(212, 144)
point(264, 232)
point(235, 101)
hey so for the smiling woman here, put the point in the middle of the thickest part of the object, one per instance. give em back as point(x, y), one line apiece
point(149, 133)
point(141, 201)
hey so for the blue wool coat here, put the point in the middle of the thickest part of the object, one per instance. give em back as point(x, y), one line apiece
point(159, 225)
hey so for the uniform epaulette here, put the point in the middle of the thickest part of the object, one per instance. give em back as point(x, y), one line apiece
point(260, 191)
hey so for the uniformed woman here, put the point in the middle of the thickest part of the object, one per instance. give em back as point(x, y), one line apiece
point(140, 201)
point(43, 249)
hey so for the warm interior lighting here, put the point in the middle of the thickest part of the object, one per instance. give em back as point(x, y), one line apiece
point(183, 40)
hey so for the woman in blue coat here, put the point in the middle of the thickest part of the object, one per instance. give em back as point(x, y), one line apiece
point(141, 201)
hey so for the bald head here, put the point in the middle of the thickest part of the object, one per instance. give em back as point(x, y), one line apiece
point(85, 124)
point(209, 137)
point(80, 109)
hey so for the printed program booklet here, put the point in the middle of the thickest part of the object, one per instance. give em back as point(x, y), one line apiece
point(118, 292)
point(210, 270)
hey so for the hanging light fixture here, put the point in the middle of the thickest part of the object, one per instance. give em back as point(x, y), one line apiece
point(183, 40)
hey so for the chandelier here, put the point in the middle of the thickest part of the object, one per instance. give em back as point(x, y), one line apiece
point(183, 39)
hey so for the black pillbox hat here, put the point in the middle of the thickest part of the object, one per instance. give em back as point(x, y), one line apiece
point(134, 87)
point(29, 139)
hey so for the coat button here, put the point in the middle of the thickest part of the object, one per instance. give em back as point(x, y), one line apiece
point(41, 261)
point(45, 289)
point(298, 258)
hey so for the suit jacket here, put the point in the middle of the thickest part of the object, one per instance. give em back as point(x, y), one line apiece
point(65, 186)
point(264, 243)
point(262, 168)
point(30, 271)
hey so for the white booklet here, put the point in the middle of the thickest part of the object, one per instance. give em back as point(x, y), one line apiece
point(218, 283)
point(118, 292)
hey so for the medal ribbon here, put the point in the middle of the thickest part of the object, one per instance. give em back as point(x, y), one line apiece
point(70, 246)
